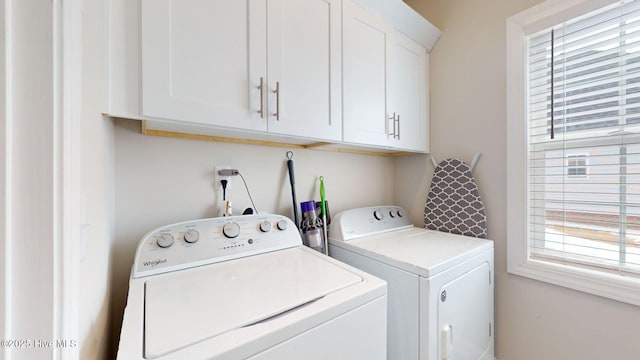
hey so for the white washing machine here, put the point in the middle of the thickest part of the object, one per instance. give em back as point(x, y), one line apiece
point(244, 287)
point(440, 285)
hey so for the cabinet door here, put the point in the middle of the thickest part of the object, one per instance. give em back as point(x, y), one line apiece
point(202, 61)
point(366, 38)
point(408, 94)
point(304, 63)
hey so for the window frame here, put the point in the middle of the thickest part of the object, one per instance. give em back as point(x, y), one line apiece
point(580, 166)
point(586, 279)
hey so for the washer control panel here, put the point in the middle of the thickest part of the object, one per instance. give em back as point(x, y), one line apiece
point(356, 223)
point(206, 241)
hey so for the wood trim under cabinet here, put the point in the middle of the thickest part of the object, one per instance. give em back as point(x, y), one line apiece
point(324, 146)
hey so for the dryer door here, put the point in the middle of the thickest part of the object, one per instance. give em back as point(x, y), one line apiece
point(464, 315)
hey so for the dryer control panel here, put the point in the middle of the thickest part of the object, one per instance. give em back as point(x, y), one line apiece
point(356, 223)
point(206, 241)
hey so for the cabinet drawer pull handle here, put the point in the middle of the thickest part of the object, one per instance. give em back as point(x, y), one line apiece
point(261, 109)
point(393, 121)
point(398, 129)
point(277, 92)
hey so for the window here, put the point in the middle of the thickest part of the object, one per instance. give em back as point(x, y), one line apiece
point(577, 166)
point(574, 145)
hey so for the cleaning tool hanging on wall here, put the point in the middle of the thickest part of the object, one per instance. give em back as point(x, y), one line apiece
point(292, 180)
point(323, 213)
point(453, 203)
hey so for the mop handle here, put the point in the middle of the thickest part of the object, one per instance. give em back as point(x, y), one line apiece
point(292, 180)
point(324, 215)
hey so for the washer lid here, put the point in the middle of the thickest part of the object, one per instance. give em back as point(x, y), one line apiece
point(417, 250)
point(187, 307)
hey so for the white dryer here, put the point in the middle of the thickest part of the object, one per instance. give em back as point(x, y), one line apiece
point(244, 287)
point(440, 285)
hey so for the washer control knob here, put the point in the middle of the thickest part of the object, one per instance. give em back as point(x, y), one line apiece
point(378, 214)
point(231, 230)
point(165, 240)
point(282, 225)
point(392, 214)
point(400, 213)
point(265, 226)
point(191, 236)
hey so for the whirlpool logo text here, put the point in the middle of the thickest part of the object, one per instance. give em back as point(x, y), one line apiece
point(154, 263)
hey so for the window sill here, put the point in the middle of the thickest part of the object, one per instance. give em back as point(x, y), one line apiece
point(613, 286)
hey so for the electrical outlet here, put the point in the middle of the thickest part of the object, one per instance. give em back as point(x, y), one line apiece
point(219, 177)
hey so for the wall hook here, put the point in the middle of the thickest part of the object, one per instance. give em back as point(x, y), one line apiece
point(433, 161)
point(474, 162)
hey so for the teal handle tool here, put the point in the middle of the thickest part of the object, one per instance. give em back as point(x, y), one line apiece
point(323, 212)
point(322, 197)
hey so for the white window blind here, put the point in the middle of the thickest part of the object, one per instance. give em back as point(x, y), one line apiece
point(584, 141)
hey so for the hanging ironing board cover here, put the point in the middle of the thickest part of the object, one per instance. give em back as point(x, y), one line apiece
point(453, 202)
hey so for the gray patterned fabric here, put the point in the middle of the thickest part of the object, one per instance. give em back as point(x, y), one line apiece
point(453, 202)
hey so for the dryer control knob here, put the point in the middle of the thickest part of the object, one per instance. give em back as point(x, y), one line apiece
point(400, 213)
point(265, 226)
point(392, 214)
point(231, 230)
point(165, 240)
point(191, 236)
point(378, 214)
point(282, 225)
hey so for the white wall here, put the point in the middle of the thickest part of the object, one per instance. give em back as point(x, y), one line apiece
point(4, 244)
point(97, 188)
point(534, 320)
point(30, 176)
point(38, 226)
point(163, 180)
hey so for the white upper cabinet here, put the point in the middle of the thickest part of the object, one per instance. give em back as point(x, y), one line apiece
point(304, 65)
point(366, 38)
point(207, 62)
point(408, 94)
point(385, 83)
point(202, 61)
point(345, 72)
